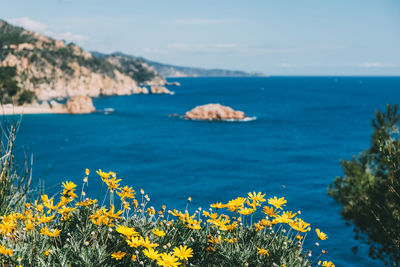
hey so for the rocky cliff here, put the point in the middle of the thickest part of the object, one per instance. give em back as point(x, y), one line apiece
point(54, 69)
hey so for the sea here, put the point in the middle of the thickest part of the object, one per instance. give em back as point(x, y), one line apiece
point(301, 128)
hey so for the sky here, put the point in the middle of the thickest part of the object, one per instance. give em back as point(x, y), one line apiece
point(282, 37)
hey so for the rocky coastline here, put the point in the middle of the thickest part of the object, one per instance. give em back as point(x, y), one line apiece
point(74, 105)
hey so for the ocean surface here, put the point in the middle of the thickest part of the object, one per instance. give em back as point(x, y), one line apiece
point(304, 126)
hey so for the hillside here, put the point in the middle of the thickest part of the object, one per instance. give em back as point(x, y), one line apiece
point(167, 70)
point(51, 68)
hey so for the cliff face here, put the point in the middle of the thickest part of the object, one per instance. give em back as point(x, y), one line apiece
point(52, 69)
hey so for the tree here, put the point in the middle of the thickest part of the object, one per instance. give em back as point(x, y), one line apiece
point(26, 97)
point(370, 189)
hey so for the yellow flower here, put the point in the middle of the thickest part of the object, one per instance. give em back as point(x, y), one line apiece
point(158, 232)
point(47, 232)
point(245, 211)
point(44, 198)
point(133, 258)
point(110, 214)
point(126, 231)
point(217, 205)
point(112, 183)
point(118, 255)
point(231, 240)
point(151, 211)
point(300, 225)
point(194, 226)
point(151, 254)
point(6, 251)
point(66, 212)
point(39, 208)
point(68, 191)
point(183, 252)
point(327, 264)
point(321, 235)
point(87, 171)
point(214, 239)
point(134, 241)
point(168, 260)
point(147, 244)
point(210, 249)
point(103, 175)
point(264, 222)
point(87, 202)
point(270, 211)
point(284, 218)
point(258, 226)
point(262, 251)
point(277, 202)
point(47, 252)
point(126, 192)
point(45, 219)
point(289, 214)
point(257, 197)
point(68, 185)
point(235, 203)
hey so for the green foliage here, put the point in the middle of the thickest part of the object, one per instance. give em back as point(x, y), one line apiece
point(137, 69)
point(8, 86)
point(11, 35)
point(26, 97)
point(143, 75)
point(14, 182)
point(370, 189)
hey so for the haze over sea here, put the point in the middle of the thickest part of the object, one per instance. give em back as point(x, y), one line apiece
point(304, 126)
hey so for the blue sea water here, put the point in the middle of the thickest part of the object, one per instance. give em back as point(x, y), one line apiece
point(304, 126)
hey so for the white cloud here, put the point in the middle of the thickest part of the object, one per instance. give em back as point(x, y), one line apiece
point(377, 65)
point(33, 25)
point(226, 45)
point(29, 23)
point(71, 37)
point(197, 21)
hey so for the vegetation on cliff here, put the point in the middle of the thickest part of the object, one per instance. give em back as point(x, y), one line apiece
point(370, 189)
point(10, 92)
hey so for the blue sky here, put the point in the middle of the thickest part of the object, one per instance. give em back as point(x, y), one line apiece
point(283, 37)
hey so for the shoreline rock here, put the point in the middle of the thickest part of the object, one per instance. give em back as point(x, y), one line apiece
point(80, 105)
point(160, 90)
point(214, 112)
point(74, 105)
point(173, 83)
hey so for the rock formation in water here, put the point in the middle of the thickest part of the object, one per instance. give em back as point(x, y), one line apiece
point(160, 90)
point(80, 105)
point(214, 112)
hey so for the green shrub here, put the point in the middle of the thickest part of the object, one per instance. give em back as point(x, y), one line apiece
point(8, 85)
point(369, 191)
point(26, 97)
point(14, 181)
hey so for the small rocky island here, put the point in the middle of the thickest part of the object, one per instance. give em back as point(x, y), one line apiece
point(214, 112)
